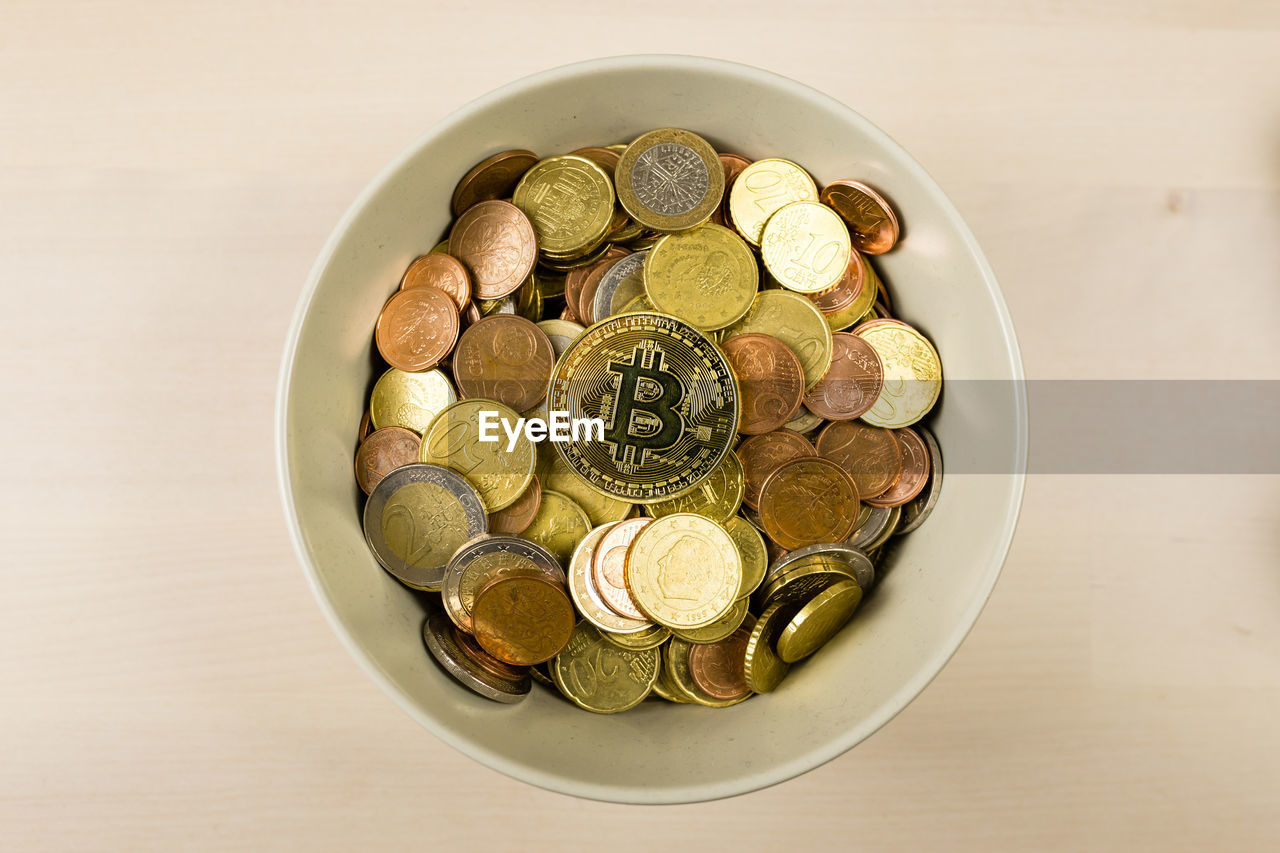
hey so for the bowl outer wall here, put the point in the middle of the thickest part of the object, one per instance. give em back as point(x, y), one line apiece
point(904, 634)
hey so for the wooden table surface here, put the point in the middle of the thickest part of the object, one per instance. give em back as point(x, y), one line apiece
point(168, 172)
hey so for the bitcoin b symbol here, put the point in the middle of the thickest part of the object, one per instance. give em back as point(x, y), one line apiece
point(645, 416)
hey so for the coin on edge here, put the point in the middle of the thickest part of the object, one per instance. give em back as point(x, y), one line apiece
point(762, 669)
point(598, 676)
point(440, 636)
point(818, 621)
point(415, 519)
point(670, 179)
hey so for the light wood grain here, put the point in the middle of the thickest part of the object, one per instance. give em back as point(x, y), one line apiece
point(168, 173)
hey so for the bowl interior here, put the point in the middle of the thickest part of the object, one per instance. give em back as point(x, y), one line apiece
point(938, 578)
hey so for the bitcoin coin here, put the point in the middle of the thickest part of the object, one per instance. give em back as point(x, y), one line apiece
point(417, 328)
point(409, 400)
point(795, 321)
point(762, 669)
point(912, 373)
point(761, 455)
point(818, 620)
point(807, 501)
point(504, 358)
point(587, 598)
point(453, 441)
point(522, 620)
point(872, 222)
point(872, 456)
point(608, 567)
point(621, 283)
point(569, 200)
point(382, 452)
point(495, 242)
point(415, 519)
point(915, 512)
point(669, 180)
point(667, 398)
point(763, 187)
point(915, 470)
point(805, 247)
point(559, 525)
point(442, 641)
point(706, 276)
point(683, 571)
point(853, 382)
point(516, 518)
point(751, 550)
point(717, 497)
point(492, 178)
point(770, 381)
point(485, 559)
point(601, 677)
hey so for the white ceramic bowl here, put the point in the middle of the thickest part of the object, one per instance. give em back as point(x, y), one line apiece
point(939, 578)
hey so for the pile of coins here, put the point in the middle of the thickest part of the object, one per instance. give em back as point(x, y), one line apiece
point(646, 427)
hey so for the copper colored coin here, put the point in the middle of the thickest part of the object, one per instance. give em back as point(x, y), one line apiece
point(852, 383)
point(609, 564)
point(516, 518)
point(441, 271)
point(915, 470)
point(873, 226)
point(417, 328)
point(770, 381)
point(602, 157)
point(847, 288)
point(366, 425)
point(506, 358)
point(761, 455)
point(575, 280)
point(384, 451)
point(807, 501)
point(472, 649)
point(522, 620)
point(495, 242)
point(868, 453)
point(494, 177)
point(718, 668)
point(733, 165)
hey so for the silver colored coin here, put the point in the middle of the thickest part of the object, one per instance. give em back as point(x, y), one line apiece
point(414, 504)
point(670, 179)
point(915, 512)
point(561, 333)
point(623, 282)
point(859, 564)
point(485, 559)
point(872, 529)
point(585, 595)
point(437, 634)
point(895, 515)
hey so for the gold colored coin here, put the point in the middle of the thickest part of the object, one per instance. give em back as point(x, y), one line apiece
point(650, 638)
point(818, 621)
point(804, 422)
point(719, 629)
point(808, 500)
point(677, 666)
point(912, 374)
point(639, 305)
point(454, 441)
point(763, 187)
point(663, 687)
point(409, 400)
point(763, 669)
point(668, 400)
point(865, 301)
point(670, 179)
point(683, 571)
point(557, 475)
point(559, 525)
point(796, 322)
point(805, 578)
point(569, 200)
point(561, 333)
point(806, 247)
point(718, 497)
point(755, 559)
point(706, 275)
point(601, 677)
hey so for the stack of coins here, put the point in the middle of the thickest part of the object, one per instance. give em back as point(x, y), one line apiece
point(756, 408)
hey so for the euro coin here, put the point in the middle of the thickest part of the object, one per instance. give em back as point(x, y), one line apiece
point(485, 559)
point(795, 321)
point(717, 630)
point(805, 246)
point(492, 178)
point(587, 598)
point(912, 373)
point(762, 669)
point(666, 396)
point(915, 512)
point(805, 578)
point(600, 677)
point(771, 381)
point(651, 637)
point(669, 180)
point(874, 529)
point(609, 563)
point(417, 328)
point(915, 470)
point(846, 291)
point(454, 441)
point(853, 559)
point(559, 525)
point(522, 620)
point(415, 519)
point(599, 507)
point(719, 669)
point(678, 665)
point(807, 501)
point(864, 301)
point(706, 276)
point(382, 452)
point(763, 187)
point(496, 243)
point(441, 639)
point(683, 571)
point(504, 358)
point(751, 550)
point(871, 219)
point(569, 200)
point(872, 456)
point(620, 284)
point(761, 455)
point(852, 383)
point(443, 272)
point(818, 620)
point(718, 497)
point(561, 333)
point(514, 519)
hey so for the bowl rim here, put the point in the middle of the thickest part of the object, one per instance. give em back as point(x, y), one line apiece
point(744, 782)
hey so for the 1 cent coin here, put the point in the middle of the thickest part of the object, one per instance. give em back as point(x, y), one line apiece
point(915, 470)
point(496, 243)
point(872, 223)
point(417, 328)
point(770, 381)
point(441, 271)
point(382, 452)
